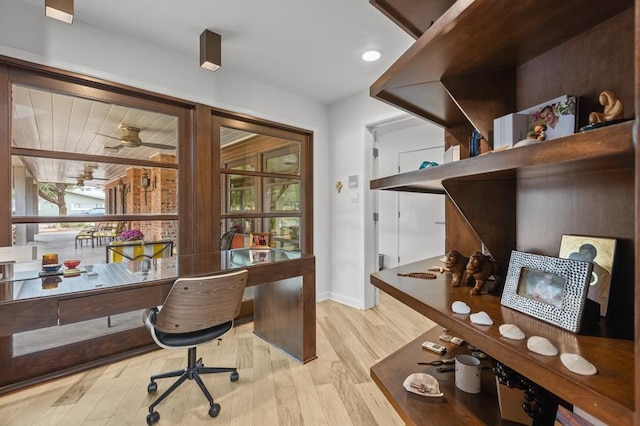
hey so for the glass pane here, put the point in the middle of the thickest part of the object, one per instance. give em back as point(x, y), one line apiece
point(50, 121)
point(282, 195)
point(285, 233)
point(241, 193)
point(90, 189)
point(284, 160)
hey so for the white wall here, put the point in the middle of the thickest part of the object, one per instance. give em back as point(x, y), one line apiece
point(348, 140)
point(25, 33)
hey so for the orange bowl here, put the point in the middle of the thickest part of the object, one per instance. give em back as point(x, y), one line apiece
point(71, 264)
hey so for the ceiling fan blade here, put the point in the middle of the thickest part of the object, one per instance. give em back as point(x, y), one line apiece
point(107, 136)
point(113, 148)
point(157, 145)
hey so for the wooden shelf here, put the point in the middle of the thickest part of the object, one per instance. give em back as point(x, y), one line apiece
point(604, 148)
point(431, 79)
point(390, 373)
point(413, 17)
point(608, 395)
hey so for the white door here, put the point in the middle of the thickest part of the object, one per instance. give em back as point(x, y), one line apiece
point(410, 226)
point(420, 216)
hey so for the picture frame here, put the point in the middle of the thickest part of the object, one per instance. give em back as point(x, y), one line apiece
point(260, 240)
point(548, 288)
point(601, 253)
point(558, 115)
point(259, 255)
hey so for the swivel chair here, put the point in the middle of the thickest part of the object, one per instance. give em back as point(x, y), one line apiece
point(196, 311)
point(226, 239)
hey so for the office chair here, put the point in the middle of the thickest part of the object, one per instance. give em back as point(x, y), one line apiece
point(196, 311)
point(226, 239)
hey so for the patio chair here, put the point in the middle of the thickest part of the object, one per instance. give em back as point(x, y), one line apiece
point(86, 235)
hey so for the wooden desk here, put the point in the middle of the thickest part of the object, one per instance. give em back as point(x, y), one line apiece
point(284, 308)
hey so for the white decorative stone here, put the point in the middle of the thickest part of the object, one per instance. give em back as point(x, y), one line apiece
point(511, 331)
point(542, 346)
point(578, 364)
point(481, 318)
point(460, 307)
point(422, 384)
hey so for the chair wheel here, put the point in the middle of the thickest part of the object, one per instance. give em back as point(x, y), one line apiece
point(214, 410)
point(153, 418)
point(152, 387)
point(234, 376)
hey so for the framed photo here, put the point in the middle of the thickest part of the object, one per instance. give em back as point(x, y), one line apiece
point(600, 252)
point(548, 288)
point(558, 115)
point(260, 240)
point(259, 256)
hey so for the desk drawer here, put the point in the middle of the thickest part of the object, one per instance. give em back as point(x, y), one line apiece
point(102, 305)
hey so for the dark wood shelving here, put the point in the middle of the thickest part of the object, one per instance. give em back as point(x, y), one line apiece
point(413, 17)
point(603, 148)
point(608, 395)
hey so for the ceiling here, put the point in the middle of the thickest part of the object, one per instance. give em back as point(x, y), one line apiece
point(310, 48)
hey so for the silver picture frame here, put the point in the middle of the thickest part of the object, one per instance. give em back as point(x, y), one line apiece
point(548, 288)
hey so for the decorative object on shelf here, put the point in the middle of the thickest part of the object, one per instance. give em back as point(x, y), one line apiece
point(132, 235)
point(260, 240)
point(468, 373)
point(49, 259)
point(259, 256)
point(511, 331)
point(422, 275)
point(50, 269)
point(456, 263)
point(479, 268)
point(538, 403)
point(481, 318)
point(542, 346)
point(459, 307)
point(577, 364)
point(613, 108)
point(474, 143)
point(548, 288)
point(600, 252)
point(422, 384)
point(557, 115)
point(427, 165)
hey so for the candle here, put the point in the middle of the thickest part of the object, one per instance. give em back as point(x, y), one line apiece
point(50, 259)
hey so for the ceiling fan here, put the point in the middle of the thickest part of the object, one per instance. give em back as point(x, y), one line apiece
point(87, 174)
point(130, 138)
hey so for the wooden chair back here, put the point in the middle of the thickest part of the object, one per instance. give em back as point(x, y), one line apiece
point(226, 239)
point(195, 304)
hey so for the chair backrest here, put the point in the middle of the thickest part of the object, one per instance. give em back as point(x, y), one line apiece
point(226, 239)
point(195, 304)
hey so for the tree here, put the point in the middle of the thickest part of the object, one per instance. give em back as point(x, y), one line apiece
point(55, 193)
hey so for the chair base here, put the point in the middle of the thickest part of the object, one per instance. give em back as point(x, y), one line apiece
point(192, 372)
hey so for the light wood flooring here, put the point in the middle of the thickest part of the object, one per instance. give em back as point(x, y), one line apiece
point(273, 389)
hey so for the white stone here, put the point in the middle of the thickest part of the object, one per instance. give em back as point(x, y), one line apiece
point(511, 331)
point(422, 384)
point(578, 364)
point(481, 318)
point(542, 346)
point(460, 307)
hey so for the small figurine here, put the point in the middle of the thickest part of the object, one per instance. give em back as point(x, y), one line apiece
point(455, 263)
point(613, 108)
point(479, 269)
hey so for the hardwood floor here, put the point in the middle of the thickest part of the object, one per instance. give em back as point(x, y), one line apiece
point(273, 389)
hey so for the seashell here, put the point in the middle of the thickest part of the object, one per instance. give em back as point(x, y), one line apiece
point(511, 331)
point(542, 346)
point(422, 384)
point(578, 364)
point(481, 318)
point(460, 307)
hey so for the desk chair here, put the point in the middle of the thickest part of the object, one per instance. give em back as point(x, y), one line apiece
point(196, 311)
point(226, 239)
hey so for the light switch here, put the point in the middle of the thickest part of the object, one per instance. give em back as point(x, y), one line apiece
point(355, 197)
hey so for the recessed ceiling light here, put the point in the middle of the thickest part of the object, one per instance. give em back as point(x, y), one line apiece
point(371, 55)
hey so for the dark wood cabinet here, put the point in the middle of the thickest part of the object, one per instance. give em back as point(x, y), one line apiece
point(481, 60)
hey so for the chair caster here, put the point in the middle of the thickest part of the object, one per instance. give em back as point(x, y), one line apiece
point(152, 387)
point(234, 376)
point(153, 418)
point(214, 410)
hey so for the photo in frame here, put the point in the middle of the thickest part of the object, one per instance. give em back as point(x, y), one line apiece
point(601, 253)
point(259, 255)
point(260, 240)
point(558, 115)
point(548, 288)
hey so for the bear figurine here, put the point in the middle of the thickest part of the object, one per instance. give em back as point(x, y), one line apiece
point(455, 262)
point(479, 268)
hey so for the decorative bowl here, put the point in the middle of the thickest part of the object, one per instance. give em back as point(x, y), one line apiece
point(51, 268)
point(71, 264)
